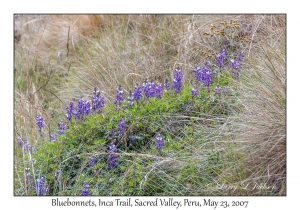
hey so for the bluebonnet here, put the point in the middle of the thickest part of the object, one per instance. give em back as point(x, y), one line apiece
point(204, 75)
point(61, 127)
point(149, 88)
point(159, 91)
point(119, 97)
point(137, 93)
point(130, 99)
point(52, 137)
point(221, 58)
point(97, 101)
point(57, 176)
point(85, 191)
point(70, 111)
point(218, 90)
point(236, 64)
point(121, 126)
point(23, 145)
point(92, 161)
point(167, 84)
point(159, 144)
point(28, 179)
point(41, 189)
point(194, 92)
point(113, 158)
point(40, 122)
point(177, 81)
point(20, 142)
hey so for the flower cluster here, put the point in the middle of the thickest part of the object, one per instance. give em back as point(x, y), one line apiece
point(27, 179)
point(221, 58)
point(167, 84)
point(85, 191)
point(121, 126)
point(61, 127)
point(70, 111)
point(130, 99)
point(23, 145)
point(119, 97)
point(137, 93)
point(194, 93)
point(97, 102)
point(204, 75)
point(92, 161)
point(159, 144)
point(40, 122)
point(113, 158)
point(177, 81)
point(83, 109)
point(40, 187)
point(236, 65)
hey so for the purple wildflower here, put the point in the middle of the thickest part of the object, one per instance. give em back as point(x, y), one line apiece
point(70, 111)
point(40, 187)
point(40, 122)
point(61, 127)
point(167, 84)
point(159, 91)
point(52, 137)
point(221, 58)
point(113, 158)
point(177, 81)
point(119, 97)
point(194, 93)
point(85, 191)
point(27, 179)
point(218, 90)
point(57, 176)
point(236, 64)
point(20, 142)
point(92, 161)
point(204, 75)
point(97, 101)
point(121, 126)
point(149, 88)
point(137, 93)
point(159, 144)
point(130, 99)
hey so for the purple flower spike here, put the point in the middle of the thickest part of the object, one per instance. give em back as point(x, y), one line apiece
point(113, 158)
point(204, 75)
point(159, 91)
point(119, 97)
point(40, 187)
point(92, 161)
point(194, 93)
point(137, 93)
point(130, 99)
point(61, 127)
point(97, 102)
point(167, 84)
point(121, 126)
point(177, 81)
point(85, 191)
point(159, 144)
point(70, 111)
point(40, 122)
point(221, 58)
